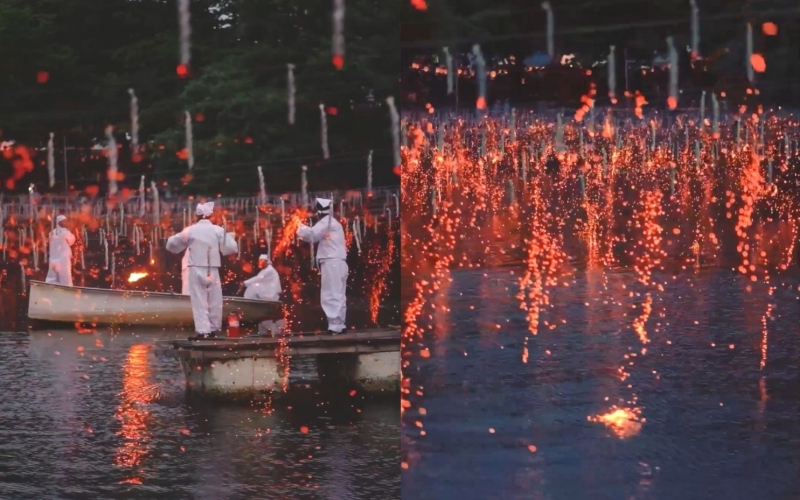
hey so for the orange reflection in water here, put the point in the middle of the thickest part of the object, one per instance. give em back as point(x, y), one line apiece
point(137, 392)
point(624, 422)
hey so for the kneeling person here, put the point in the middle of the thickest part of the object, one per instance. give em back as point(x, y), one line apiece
point(266, 285)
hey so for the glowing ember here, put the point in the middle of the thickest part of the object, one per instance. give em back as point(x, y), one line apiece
point(134, 277)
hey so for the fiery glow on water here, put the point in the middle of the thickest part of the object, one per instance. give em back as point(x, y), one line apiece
point(623, 422)
point(133, 413)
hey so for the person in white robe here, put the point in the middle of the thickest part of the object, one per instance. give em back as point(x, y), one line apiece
point(332, 258)
point(205, 243)
point(266, 285)
point(59, 271)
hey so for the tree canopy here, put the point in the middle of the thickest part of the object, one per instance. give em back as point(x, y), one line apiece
point(68, 65)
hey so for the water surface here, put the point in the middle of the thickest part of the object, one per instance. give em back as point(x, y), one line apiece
point(715, 425)
point(100, 416)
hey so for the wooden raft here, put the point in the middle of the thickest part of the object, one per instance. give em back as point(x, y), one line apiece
point(297, 344)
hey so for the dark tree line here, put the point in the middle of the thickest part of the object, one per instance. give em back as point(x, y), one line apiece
point(637, 28)
point(67, 66)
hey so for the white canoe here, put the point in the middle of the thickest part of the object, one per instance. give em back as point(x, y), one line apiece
point(74, 304)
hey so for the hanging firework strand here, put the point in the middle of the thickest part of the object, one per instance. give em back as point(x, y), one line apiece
point(702, 110)
point(156, 204)
point(449, 62)
point(338, 33)
point(141, 197)
point(749, 47)
point(357, 233)
point(51, 162)
point(185, 37)
point(304, 186)
point(111, 149)
point(480, 70)
point(262, 188)
point(715, 115)
point(612, 76)
point(290, 92)
point(324, 131)
point(369, 173)
point(672, 100)
point(395, 130)
point(134, 124)
point(695, 23)
point(550, 28)
point(189, 140)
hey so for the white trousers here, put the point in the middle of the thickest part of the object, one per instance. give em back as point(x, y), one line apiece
point(333, 292)
point(185, 281)
point(206, 296)
point(59, 272)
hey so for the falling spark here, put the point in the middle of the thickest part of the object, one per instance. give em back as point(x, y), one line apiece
point(338, 33)
point(111, 149)
point(290, 92)
point(189, 140)
point(324, 129)
point(51, 162)
point(185, 37)
point(134, 124)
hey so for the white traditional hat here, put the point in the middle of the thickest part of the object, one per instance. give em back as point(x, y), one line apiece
point(61, 218)
point(263, 256)
point(205, 209)
point(323, 205)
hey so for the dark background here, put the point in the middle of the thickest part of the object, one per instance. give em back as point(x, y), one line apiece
point(587, 28)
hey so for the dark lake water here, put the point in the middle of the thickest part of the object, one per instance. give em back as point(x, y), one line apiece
point(712, 423)
point(100, 416)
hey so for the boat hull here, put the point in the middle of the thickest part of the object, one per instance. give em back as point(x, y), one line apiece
point(64, 304)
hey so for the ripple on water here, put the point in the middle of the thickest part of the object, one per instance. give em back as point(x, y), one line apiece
point(715, 425)
point(95, 416)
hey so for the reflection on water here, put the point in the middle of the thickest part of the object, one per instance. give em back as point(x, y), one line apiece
point(137, 394)
point(585, 410)
point(99, 416)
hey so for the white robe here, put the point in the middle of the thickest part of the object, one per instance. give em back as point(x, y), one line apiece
point(332, 255)
point(205, 244)
point(60, 262)
point(266, 285)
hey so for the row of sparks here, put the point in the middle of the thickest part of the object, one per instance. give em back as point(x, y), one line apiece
point(655, 194)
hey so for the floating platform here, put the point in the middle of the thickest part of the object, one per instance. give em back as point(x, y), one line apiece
point(241, 368)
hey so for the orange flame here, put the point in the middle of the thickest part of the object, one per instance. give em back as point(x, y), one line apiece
point(134, 277)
